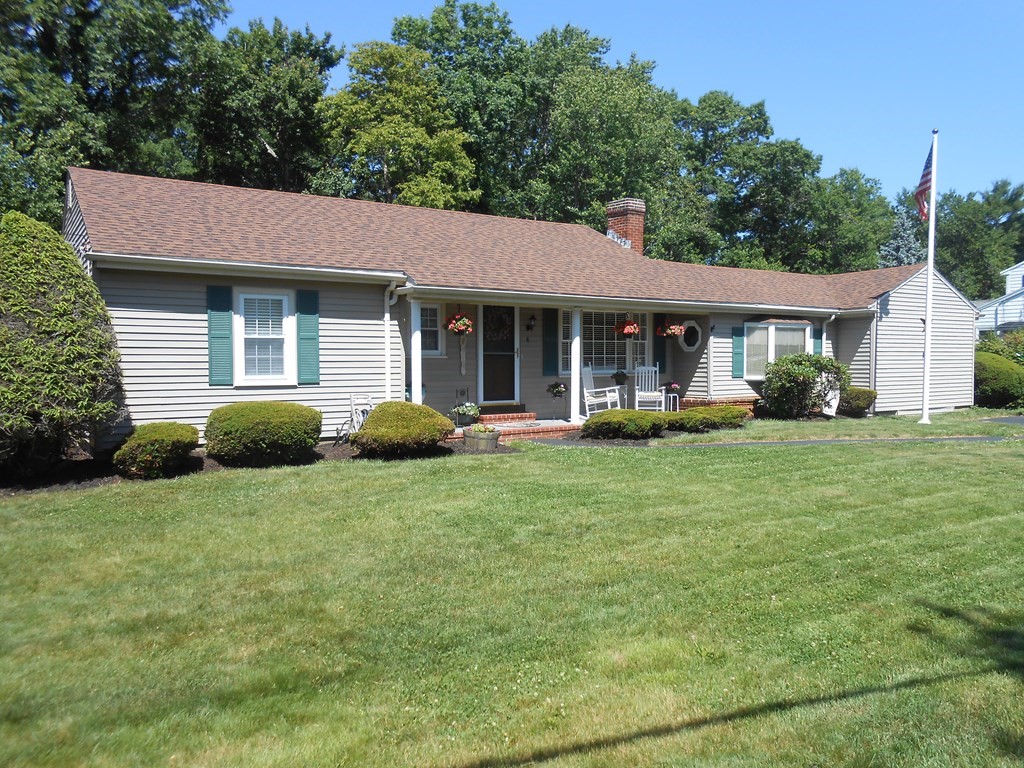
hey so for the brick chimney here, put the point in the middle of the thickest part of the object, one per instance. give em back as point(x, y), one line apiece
point(626, 222)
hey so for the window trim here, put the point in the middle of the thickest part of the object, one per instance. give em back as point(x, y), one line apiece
point(289, 330)
point(808, 344)
point(442, 350)
point(633, 356)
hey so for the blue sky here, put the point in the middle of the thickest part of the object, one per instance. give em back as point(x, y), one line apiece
point(861, 84)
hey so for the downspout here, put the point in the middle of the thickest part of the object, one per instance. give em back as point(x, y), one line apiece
point(872, 368)
point(824, 335)
point(390, 299)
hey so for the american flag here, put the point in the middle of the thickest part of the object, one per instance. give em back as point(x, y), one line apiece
point(924, 187)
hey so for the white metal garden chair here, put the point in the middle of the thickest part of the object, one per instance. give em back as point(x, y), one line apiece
point(598, 399)
point(648, 396)
point(359, 407)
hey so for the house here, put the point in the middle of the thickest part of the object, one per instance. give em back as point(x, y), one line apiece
point(1007, 312)
point(220, 294)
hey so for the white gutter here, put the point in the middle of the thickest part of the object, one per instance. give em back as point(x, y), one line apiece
point(476, 296)
point(222, 267)
point(824, 336)
point(390, 298)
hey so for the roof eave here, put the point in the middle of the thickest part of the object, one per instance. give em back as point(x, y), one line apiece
point(220, 267)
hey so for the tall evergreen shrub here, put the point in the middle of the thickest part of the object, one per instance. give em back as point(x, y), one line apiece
point(59, 372)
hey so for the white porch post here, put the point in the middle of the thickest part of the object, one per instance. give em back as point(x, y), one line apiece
point(576, 367)
point(416, 353)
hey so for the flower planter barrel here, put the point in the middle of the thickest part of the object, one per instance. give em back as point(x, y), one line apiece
point(481, 441)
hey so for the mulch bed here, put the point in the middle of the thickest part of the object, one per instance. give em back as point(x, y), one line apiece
point(84, 472)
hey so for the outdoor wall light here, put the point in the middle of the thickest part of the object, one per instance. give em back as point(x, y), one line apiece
point(531, 323)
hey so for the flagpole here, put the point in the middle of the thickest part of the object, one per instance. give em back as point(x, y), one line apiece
point(930, 273)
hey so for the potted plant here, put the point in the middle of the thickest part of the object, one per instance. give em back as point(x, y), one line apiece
point(460, 324)
point(557, 389)
point(628, 328)
point(673, 330)
point(464, 413)
point(620, 377)
point(481, 437)
point(672, 387)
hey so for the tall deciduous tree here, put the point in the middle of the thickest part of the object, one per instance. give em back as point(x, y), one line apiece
point(393, 138)
point(256, 121)
point(97, 82)
point(852, 219)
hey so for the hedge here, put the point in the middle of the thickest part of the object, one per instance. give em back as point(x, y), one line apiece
point(397, 429)
point(857, 401)
point(156, 450)
point(706, 418)
point(998, 382)
point(622, 423)
point(263, 433)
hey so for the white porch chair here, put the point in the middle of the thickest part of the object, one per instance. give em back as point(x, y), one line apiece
point(598, 399)
point(648, 396)
point(359, 407)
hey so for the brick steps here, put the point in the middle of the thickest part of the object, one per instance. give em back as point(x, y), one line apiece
point(505, 418)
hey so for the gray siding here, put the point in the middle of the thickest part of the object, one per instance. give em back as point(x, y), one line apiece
point(900, 348)
point(160, 321)
point(690, 369)
point(852, 337)
point(1014, 278)
point(73, 229)
point(723, 384)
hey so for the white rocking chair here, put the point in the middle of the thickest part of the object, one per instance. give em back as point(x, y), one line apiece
point(648, 396)
point(598, 399)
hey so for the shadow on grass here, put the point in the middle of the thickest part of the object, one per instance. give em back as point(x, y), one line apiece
point(996, 638)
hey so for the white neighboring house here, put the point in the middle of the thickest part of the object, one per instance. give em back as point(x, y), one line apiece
point(1005, 313)
point(220, 294)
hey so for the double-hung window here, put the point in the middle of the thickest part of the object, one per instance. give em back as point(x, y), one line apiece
point(767, 342)
point(265, 341)
point(431, 337)
point(604, 349)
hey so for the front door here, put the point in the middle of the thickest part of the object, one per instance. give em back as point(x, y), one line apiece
point(499, 352)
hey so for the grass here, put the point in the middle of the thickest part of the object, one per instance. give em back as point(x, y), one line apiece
point(850, 605)
point(970, 422)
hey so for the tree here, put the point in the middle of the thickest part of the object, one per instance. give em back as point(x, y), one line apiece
point(256, 121)
point(851, 219)
point(392, 136)
point(903, 246)
point(59, 373)
point(97, 82)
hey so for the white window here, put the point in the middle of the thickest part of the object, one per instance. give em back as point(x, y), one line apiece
point(265, 339)
point(767, 342)
point(431, 335)
point(603, 348)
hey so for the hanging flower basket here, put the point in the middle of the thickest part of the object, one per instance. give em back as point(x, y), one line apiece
point(628, 328)
point(460, 324)
point(671, 330)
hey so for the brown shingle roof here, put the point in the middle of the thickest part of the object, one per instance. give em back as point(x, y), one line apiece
point(142, 216)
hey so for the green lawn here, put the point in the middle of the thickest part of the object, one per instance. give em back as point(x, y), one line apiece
point(971, 422)
point(845, 605)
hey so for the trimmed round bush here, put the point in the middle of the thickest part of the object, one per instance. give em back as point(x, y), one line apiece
point(998, 382)
point(857, 401)
point(263, 433)
point(622, 423)
point(796, 385)
point(156, 450)
point(397, 429)
point(706, 418)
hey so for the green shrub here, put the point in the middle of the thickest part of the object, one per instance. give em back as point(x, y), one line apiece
point(59, 373)
point(156, 450)
point(857, 401)
point(705, 418)
point(998, 382)
point(263, 433)
point(620, 423)
point(397, 429)
point(1010, 345)
point(796, 385)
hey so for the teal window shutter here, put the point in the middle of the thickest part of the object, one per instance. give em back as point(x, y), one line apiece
point(307, 321)
point(816, 336)
point(550, 332)
point(218, 331)
point(737, 352)
point(659, 348)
